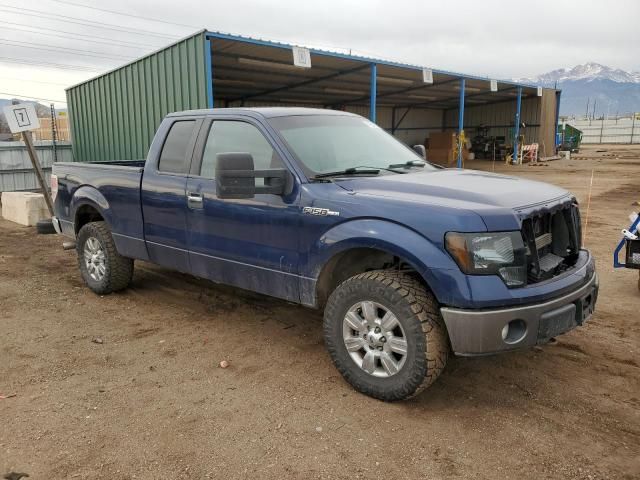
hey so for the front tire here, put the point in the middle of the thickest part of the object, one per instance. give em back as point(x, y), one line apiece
point(103, 269)
point(385, 334)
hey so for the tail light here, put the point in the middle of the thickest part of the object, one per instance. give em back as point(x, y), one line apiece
point(54, 187)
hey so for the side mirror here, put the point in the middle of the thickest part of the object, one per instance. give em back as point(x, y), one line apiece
point(236, 177)
point(420, 150)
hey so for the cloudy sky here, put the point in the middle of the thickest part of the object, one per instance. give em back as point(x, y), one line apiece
point(47, 45)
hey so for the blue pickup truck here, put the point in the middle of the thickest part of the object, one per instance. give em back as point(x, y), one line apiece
point(408, 260)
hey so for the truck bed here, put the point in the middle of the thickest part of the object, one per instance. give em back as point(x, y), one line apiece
point(113, 186)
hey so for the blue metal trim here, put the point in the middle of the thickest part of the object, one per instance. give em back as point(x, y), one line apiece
point(616, 252)
point(555, 132)
point(267, 43)
point(373, 92)
point(209, 70)
point(516, 132)
point(460, 121)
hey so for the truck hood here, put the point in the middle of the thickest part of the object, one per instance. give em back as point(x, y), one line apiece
point(487, 194)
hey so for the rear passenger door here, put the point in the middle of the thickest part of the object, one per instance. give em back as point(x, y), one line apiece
point(249, 243)
point(164, 204)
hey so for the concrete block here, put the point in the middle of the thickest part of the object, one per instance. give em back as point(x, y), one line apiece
point(25, 208)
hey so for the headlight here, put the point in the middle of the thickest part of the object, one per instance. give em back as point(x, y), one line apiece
point(501, 253)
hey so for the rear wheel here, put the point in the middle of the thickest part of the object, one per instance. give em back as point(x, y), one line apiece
point(103, 269)
point(385, 334)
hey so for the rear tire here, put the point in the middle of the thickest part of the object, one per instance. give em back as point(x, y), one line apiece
point(103, 269)
point(384, 362)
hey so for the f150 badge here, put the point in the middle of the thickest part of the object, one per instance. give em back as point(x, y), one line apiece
point(322, 212)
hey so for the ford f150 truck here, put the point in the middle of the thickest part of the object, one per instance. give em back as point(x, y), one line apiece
point(409, 261)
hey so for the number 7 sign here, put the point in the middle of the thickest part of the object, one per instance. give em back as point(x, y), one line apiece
point(21, 117)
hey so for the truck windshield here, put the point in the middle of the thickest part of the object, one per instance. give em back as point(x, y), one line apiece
point(336, 143)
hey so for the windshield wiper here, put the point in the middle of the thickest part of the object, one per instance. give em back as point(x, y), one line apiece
point(410, 163)
point(350, 171)
point(362, 169)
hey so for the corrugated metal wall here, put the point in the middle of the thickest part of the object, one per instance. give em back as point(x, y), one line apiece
point(499, 117)
point(547, 131)
point(417, 125)
point(622, 130)
point(413, 130)
point(114, 116)
point(16, 171)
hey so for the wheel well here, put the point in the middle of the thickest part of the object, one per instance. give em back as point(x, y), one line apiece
point(86, 214)
point(352, 262)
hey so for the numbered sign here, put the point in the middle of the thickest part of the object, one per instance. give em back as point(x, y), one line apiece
point(21, 117)
point(301, 57)
point(494, 85)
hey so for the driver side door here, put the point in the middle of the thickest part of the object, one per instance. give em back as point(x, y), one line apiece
point(248, 243)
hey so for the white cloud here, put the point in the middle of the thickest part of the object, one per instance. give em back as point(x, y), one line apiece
point(493, 38)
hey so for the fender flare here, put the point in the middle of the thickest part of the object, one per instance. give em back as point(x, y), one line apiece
point(431, 263)
point(87, 195)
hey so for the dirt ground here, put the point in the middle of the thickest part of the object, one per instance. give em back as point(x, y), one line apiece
point(150, 401)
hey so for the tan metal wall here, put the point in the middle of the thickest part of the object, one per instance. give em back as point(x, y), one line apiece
point(413, 129)
point(547, 136)
point(500, 118)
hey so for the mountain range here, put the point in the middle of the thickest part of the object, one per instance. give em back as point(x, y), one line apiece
point(601, 89)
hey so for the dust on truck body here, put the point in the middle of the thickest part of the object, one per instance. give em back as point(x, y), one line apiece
point(410, 262)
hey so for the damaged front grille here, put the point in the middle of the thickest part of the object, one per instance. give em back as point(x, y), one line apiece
point(553, 241)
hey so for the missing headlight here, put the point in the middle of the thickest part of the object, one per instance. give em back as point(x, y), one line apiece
point(494, 253)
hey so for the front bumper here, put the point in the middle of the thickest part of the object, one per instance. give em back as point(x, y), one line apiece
point(482, 332)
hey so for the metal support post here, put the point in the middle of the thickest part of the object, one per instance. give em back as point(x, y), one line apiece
point(461, 121)
point(373, 93)
point(514, 159)
point(209, 71)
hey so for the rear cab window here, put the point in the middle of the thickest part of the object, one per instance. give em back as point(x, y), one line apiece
point(176, 151)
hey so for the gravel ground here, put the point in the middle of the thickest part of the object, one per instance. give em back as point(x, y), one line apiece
point(128, 385)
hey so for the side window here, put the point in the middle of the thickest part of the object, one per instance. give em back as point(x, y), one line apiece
point(174, 156)
point(226, 136)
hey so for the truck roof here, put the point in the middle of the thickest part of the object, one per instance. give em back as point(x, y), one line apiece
point(266, 112)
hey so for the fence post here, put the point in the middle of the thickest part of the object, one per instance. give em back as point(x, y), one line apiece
point(54, 133)
point(601, 129)
point(633, 124)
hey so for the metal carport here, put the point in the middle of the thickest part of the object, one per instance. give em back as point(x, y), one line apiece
point(115, 114)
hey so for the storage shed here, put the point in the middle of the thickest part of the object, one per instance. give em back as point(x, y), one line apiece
point(115, 115)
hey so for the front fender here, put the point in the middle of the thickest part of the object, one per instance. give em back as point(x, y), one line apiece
point(436, 267)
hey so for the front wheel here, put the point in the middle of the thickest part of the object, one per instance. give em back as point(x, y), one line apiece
point(385, 334)
point(103, 269)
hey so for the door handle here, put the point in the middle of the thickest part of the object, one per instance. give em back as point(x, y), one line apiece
point(194, 200)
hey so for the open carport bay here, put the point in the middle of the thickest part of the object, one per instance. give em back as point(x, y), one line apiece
point(114, 116)
point(151, 402)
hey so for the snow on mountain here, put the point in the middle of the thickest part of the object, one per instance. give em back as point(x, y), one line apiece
point(588, 72)
point(593, 86)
